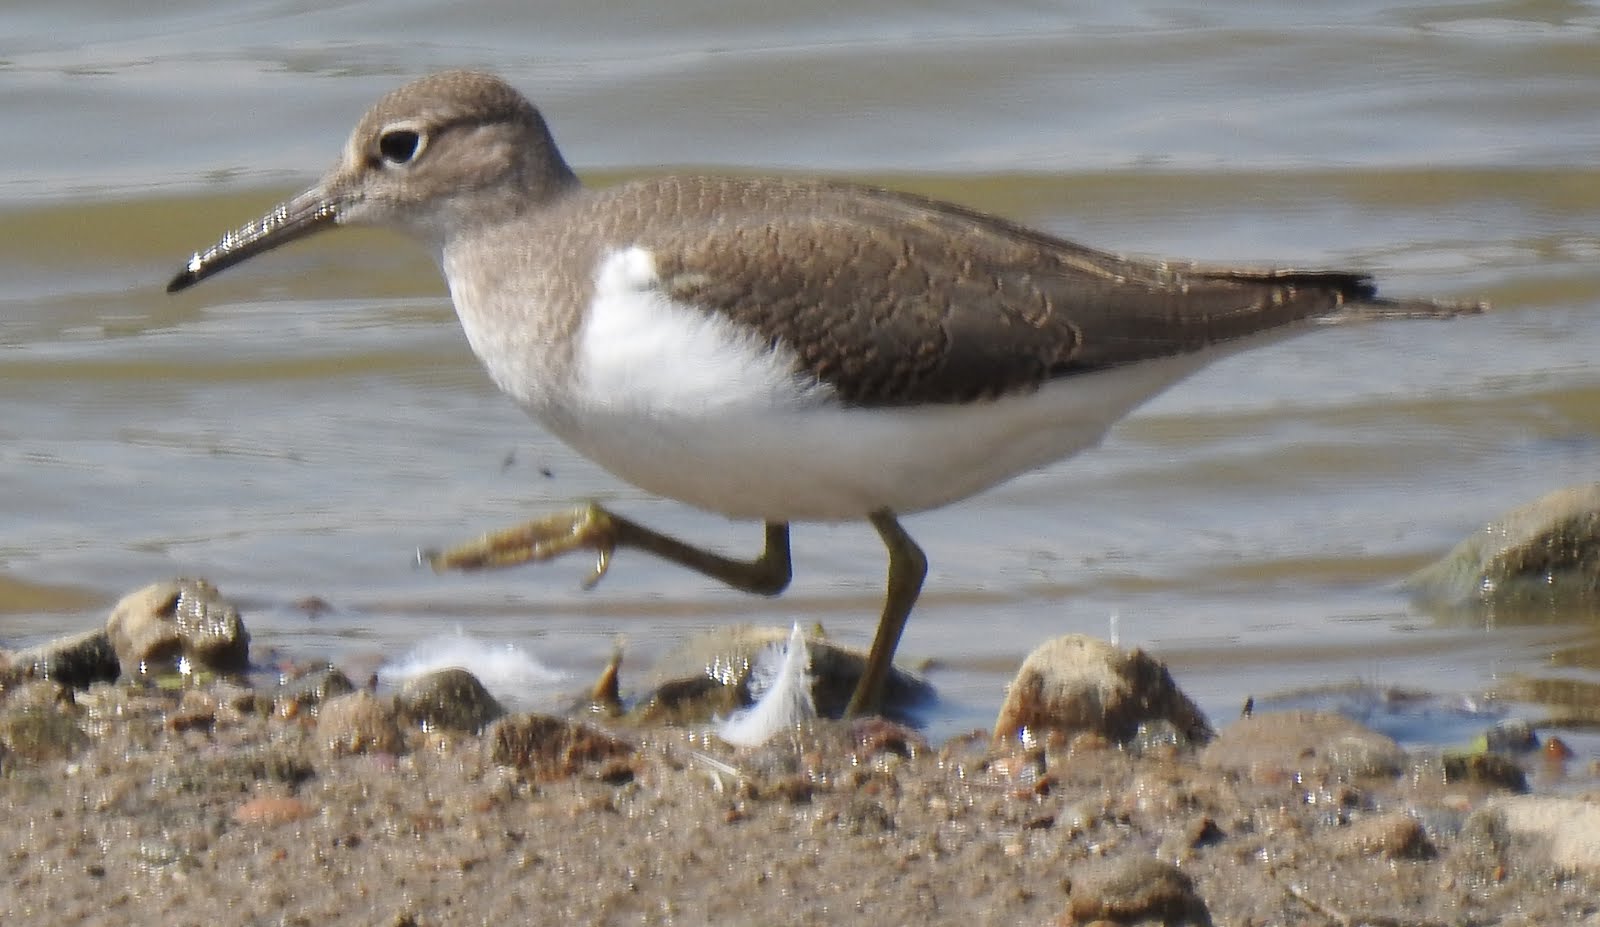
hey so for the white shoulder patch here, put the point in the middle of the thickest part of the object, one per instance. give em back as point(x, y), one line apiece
point(639, 350)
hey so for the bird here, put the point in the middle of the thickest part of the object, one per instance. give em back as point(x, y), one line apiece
point(775, 349)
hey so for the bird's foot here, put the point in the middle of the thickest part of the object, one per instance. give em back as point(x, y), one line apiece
point(587, 527)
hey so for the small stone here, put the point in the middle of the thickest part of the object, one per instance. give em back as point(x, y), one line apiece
point(192, 720)
point(878, 736)
point(1202, 832)
point(40, 732)
point(1303, 745)
point(360, 723)
point(1490, 769)
point(1483, 847)
point(1514, 736)
point(40, 694)
point(182, 623)
point(270, 809)
point(1395, 835)
point(314, 606)
point(865, 816)
point(449, 699)
point(1077, 683)
point(78, 661)
point(1129, 891)
point(1465, 779)
point(547, 748)
point(695, 700)
point(237, 699)
point(309, 689)
point(796, 790)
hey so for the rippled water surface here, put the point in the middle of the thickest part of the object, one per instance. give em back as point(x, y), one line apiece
point(300, 426)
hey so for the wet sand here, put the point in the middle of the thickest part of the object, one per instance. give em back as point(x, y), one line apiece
point(220, 804)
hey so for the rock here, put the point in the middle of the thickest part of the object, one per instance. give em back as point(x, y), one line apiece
point(1571, 827)
point(1395, 835)
point(1483, 847)
point(78, 661)
point(1512, 736)
point(1303, 745)
point(38, 722)
point(1490, 769)
point(276, 764)
point(1179, 845)
point(1134, 891)
point(1080, 684)
point(546, 748)
point(360, 723)
point(452, 699)
point(178, 624)
point(696, 700)
point(707, 677)
point(310, 689)
point(272, 809)
point(1545, 555)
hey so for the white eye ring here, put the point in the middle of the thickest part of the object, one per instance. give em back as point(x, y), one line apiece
point(400, 144)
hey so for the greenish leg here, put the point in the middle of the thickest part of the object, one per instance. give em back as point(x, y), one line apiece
point(590, 527)
point(907, 567)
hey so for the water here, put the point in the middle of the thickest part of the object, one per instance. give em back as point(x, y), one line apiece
point(300, 426)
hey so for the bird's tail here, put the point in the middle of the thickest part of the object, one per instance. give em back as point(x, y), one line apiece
point(1359, 299)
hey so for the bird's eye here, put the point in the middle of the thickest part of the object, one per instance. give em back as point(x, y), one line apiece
point(399, 146)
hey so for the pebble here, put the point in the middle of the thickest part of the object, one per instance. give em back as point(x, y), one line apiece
point(157, 629)
point(1133, 891)
point(79, 661)
point(272, 809)
point(547, 748)
point(309, 689)
point(360, 722)
point(1395, 835)
point(448, 699)
point(39, 723)
point(1299, 745)
point(1076, 684)
point(1490, 769)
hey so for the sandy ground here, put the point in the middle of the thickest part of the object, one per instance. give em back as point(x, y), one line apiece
point(217, 804)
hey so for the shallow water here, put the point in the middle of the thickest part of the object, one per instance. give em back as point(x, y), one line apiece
point(300, 426)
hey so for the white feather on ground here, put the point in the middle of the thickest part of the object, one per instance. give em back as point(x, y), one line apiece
point(780, 683)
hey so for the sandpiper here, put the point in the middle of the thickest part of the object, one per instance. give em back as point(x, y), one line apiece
point(775, 349)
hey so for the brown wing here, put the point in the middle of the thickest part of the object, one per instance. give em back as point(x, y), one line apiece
point(893, 299)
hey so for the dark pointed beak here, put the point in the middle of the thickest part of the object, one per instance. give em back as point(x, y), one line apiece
point(306, 214)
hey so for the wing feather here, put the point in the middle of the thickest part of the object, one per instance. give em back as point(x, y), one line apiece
point(893, 299)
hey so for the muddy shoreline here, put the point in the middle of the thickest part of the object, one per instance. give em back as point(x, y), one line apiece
point(204, 800)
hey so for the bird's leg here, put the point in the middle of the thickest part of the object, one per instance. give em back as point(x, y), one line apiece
point(590, 527)
point(907, 567)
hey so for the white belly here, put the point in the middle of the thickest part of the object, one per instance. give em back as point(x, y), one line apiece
point(834, 464)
